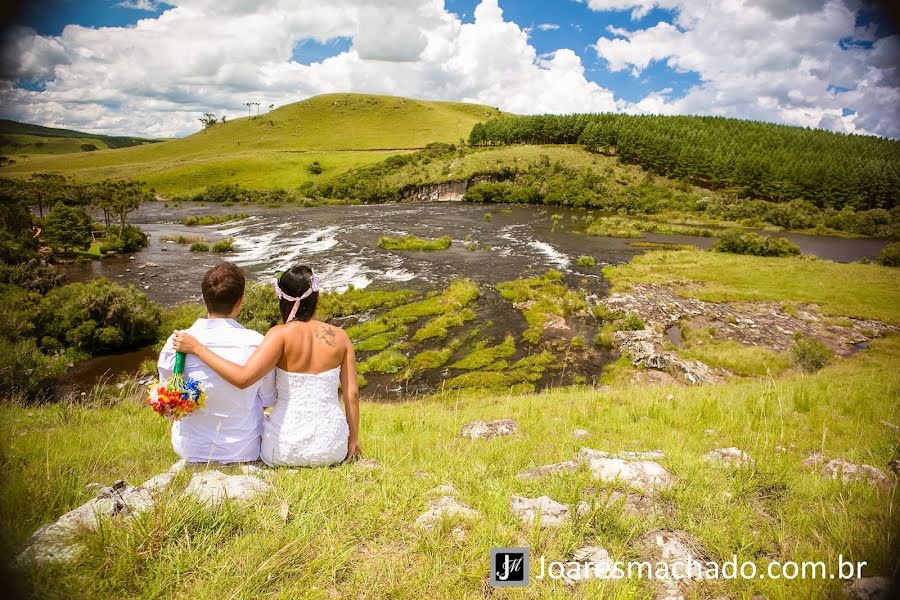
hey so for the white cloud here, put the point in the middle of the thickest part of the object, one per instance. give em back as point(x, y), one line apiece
point(148, 5)
point(157, 76)
point(548, 26)
point(761, 59)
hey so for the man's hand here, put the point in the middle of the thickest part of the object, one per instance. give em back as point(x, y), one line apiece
point(354, 450)
point(182, 341)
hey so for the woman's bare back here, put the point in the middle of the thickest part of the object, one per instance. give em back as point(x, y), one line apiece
point(312, 347)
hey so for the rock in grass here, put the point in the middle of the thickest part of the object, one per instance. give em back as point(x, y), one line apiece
point(732, 456)
point(645, 475)
point(549, 512)
point(54, 542)
point(672, 547)
point(536, 472)
point(593, 561)
point(214, 487)
point(485, 430)
point(869, 588)
point(580, 433)
point(848, 472)
point(444, 507)
point(446, 489)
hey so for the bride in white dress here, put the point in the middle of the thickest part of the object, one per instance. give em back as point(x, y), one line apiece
point(307, 426)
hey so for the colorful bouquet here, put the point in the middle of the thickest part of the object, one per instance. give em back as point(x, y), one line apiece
point(178, 396)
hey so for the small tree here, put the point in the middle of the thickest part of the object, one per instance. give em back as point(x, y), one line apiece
point(121, 198)
point(67, 228)
point(208, 120)
point(46, 189)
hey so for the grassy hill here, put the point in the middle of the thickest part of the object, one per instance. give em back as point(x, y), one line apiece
point(273, 150)
point(20, 140)
point(351, 531)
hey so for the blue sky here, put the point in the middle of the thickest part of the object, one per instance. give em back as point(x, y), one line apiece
point(803, 62)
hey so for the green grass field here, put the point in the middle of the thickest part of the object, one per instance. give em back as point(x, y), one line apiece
point(274, 150)
point(350, 532)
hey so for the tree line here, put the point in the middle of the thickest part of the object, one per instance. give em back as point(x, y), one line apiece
point(761, 160)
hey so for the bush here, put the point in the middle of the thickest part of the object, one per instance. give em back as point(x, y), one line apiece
point(223, 246)
point(31, 275)
point(631, 322)
point(133, 238)
point(890, 255)
point(586, 261)
point(315, 168)
point(809, 354)
point(199, 247)
point(411, 242)
point(755, 244)
point(99, 317)
point(213, 219)
point(25, 370)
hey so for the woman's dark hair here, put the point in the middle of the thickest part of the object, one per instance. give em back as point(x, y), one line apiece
point(295, 282)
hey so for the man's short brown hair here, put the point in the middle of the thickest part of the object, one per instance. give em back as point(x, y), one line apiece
point(223, 286)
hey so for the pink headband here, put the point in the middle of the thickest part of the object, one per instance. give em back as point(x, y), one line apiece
point(313, 287)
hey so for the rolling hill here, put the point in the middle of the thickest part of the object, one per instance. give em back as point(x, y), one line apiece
point(275, 149)
point(24, 139)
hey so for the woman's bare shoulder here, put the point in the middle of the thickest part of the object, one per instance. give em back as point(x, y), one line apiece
point(330, 335)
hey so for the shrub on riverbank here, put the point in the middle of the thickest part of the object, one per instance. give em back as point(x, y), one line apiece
point(213, 219)
point(413, 243)
point(755, 245)
point(132, 239)
point(890, 255)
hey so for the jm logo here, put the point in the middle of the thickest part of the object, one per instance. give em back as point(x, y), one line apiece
point(509, 567)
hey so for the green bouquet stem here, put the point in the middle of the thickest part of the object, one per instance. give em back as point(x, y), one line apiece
point(179, 363)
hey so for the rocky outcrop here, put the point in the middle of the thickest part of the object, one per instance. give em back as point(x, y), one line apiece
point(56, 542)
point(765, 324)
point(645, 348)
point(451, 191)
point(485, 430)
point(444, 507)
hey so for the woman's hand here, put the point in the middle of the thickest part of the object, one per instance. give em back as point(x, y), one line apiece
point(185, 342)
point(354, 450)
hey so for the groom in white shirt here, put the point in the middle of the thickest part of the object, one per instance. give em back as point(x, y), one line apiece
point(229, 427)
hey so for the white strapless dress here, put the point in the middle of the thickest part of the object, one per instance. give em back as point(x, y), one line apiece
point(307, 426)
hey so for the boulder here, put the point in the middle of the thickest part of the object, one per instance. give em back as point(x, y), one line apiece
point(644, 348)
point(214, 487)
point(484, 430)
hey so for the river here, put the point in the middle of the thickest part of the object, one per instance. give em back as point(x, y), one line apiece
point(341, 244)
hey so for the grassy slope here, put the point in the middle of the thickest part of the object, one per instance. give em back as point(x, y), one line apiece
point(851, 290)
point(350, 531)
point(343, 519)
point(274, 149)
point(28, 145)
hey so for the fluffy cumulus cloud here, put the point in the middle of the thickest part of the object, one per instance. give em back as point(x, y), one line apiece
point(755, 59)
point(158, 76)
point(764, 59)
